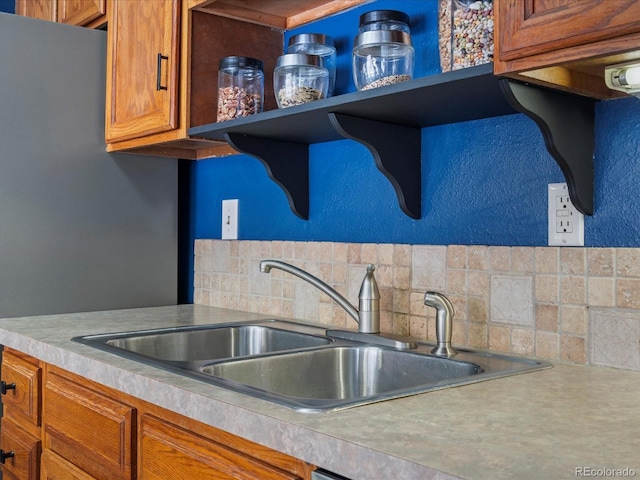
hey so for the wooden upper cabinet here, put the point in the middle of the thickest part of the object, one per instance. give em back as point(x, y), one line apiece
point(84, 13)
point(566, 44)
point(142, 66)
point(143, 120)
point(530, 27)
point(42, 9)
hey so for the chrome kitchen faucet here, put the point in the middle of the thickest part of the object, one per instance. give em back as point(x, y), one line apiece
point(367, 316)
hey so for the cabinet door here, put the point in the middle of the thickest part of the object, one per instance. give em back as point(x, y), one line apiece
point(530, 27)
point(169, 451)
point(22, 403)
point(42, 9)
point(24, 465)
point(142, 66)
point(89, 429)
point(80, 12)
point(54, 467)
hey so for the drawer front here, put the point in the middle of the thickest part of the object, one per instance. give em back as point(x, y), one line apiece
point(54, 467)
point(24, 465)
point(167, 448)
point(23, 402)
point(89, 429)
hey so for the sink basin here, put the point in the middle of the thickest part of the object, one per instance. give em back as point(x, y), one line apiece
point(304, 367)
point(190, 344)
point(337, 376)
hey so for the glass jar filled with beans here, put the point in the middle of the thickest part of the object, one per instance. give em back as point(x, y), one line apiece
point(465, 33)
point(240, 87)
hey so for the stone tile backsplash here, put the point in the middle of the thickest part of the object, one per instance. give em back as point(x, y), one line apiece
point(580, 305)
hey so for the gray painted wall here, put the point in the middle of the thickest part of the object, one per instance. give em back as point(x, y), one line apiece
point(80, 229)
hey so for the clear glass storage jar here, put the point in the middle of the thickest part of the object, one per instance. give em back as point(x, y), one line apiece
point(320, 45)
point(299, 78)
point(240, 87)
point(384, 20)
point(465, 33)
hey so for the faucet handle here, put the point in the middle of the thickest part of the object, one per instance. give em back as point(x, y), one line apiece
point(369, 303)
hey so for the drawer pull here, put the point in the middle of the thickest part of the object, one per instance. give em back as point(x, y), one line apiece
point(159, 85)
point(4, 455)
point(4, 386)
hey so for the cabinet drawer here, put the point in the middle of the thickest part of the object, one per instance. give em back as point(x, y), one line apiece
point(88, 428)
point(23, 402)
point(26, 452)
point(166, 448)
point(55, 467)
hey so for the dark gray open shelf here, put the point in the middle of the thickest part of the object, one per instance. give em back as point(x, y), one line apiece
point(388, 120)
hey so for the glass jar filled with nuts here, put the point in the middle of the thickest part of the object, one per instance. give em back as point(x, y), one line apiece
point(465, 33)
point(240, 87)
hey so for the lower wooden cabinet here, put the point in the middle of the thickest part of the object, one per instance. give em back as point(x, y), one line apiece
point(54, 467)
point(20, 431)
point(24, 448)
point(21, 385)
point(60, 426)
point(170, 451)
point(88, 427)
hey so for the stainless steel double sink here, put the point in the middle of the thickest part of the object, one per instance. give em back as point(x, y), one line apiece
point(301, 366)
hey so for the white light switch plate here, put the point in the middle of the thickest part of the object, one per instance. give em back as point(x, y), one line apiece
point(566, 224)
point(230, 219)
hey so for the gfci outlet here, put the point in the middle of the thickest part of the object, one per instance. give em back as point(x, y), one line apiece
point(230, 219)
point(566, 224)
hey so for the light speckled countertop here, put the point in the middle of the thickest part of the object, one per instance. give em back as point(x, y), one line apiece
point(543, 424)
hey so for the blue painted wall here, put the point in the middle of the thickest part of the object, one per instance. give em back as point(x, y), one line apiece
point(484, 182)
point(8, 6)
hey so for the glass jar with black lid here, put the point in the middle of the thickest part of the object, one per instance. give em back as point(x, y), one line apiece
point(240, 87)
point(382, 51)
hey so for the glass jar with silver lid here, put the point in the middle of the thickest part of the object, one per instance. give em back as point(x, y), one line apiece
point(382, 57)
point(320, 45)
point(299, 78)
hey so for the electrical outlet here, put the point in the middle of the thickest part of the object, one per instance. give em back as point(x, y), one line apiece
point(230, 219)
point(566, 224)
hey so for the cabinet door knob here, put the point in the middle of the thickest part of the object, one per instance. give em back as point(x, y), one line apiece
point(4, 386)
point(4, 455)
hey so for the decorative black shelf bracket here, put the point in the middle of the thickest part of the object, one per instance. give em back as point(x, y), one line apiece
point(396, 151)
point(287, 164)
point(567, 125)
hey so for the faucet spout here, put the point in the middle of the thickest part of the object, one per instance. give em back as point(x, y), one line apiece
point(267, 265)
point(367, 318)
point(444, 323)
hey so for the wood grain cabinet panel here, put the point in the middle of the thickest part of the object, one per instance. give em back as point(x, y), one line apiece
point(25, 463)
point(41, 9)
point(530, 27)
point(54, 467)
point(88, 428)
point(22, 403)
point(82, 12)
point(169, 451)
